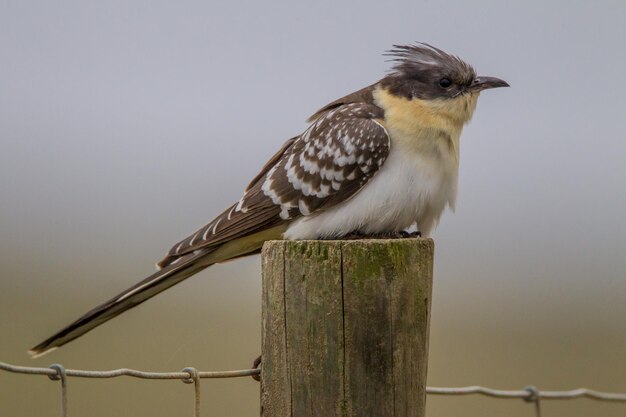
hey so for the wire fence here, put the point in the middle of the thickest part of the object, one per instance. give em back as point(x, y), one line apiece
point(531, 394)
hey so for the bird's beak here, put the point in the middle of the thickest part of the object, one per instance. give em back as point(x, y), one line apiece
point(483, 83)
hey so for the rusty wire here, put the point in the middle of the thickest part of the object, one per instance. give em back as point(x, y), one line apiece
point(190, 375)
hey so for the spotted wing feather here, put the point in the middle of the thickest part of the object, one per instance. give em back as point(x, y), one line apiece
point(341, 150)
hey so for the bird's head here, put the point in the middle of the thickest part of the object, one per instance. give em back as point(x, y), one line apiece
point(442, 82)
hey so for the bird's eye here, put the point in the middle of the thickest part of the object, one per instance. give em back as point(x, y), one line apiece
point(445, 82)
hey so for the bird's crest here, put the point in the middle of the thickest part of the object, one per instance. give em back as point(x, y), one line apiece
point(411, 60)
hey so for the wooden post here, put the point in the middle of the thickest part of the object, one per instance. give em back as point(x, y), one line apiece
point(345, 328)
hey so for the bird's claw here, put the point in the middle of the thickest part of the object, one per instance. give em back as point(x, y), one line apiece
point(403, 234)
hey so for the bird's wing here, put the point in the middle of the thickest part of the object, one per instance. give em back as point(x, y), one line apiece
point(341, 150)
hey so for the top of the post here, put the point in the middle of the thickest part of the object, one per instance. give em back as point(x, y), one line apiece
point(423, 244)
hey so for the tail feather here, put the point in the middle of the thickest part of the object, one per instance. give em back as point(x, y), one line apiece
point(174, 273)
point(177, 270)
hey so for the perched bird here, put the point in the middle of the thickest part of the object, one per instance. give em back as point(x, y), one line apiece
point(376, 161)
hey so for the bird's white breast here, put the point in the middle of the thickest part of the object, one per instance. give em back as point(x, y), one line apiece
point(409, 188)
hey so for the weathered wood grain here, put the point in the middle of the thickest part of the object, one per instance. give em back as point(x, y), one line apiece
point(345, 327)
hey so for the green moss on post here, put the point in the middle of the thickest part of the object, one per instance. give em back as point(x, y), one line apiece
point(345, 327)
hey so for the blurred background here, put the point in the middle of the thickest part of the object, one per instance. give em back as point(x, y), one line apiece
point(124, 126)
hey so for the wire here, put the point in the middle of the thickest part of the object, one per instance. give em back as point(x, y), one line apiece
point(190, 375)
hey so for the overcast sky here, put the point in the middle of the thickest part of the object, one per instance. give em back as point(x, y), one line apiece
point(124, 126)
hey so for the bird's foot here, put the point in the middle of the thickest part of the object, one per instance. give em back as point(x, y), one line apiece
point(405, 234)
point(402, 234)
point(386, 235)
point(354, 236)
point(256, 365)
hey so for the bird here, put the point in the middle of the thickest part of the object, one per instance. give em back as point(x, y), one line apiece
point(377, 161)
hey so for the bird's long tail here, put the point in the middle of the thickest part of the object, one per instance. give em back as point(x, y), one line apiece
point(161, 280)
point(177, 270)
